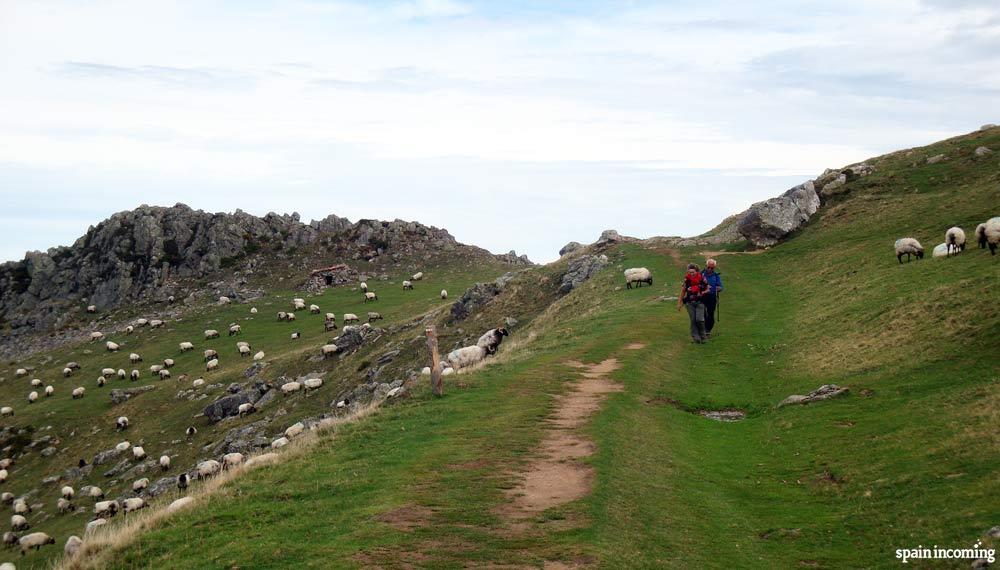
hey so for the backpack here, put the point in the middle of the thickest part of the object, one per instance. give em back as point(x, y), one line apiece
point(695, 287)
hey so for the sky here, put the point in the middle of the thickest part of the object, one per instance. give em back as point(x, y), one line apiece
point(515, 125)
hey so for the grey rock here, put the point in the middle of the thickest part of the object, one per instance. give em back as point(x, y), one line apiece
point(118, 396)
point(266, 399)
point(74, 473)
point(512, 258)
point(254, 369)
point(354, 337)
point(49, 451)
point(936, 158)
point(824, 392)
point(983, 151)
point(994, 532)
point(570, 248)
point(767, 222)
point(387, 357)
point(478, 296)
point(608, 236)
point(241, 439)
point(105, 456)
point(580, 270)
point(987, 127)
point(119, 467)
point(161, 486)
point(50, 480)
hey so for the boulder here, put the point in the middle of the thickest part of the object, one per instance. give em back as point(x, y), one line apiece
point(570, 248)
point(478, 296)
point(767, 222)
point(609, 236)
point(983, 151)
point(580, 270)
point(229, 405)
point(161, 486)
point(936, 158)
point(119, 396)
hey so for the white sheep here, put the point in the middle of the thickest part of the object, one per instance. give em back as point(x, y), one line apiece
point(253, 310)
point(35, 382)
point(372, 317)
point(94, 492)
point(134, 375)
point(246, 409)
point(282, 316)
point(235, 330)
point(67, 492)
point(129, 329)
point(67, 372)
point(491, 339)
point(363, 287)
point(992, 231)
point(168, 362)
point(6, 411)
point(231, 460)
point(138, 453)
point(314, 309)
point(108, 372)
point(91, 308)
point(330, 317)
point(35, 540)
point(289, 387)
point(208, 468)
point(171, 299)
point(211, 333)
point(198, 383)
point(186, 346)
point(73, 544)
point(370, 297)
point(121, 424)
point(223, 300)
point(244, 350)
point(32, 397)
point(290, 316)
point(191, 431)
point(296, 335)
point(417, 276)
point(350, 318)
point(79, 392)
point(164, 462)
point(638, 275)
point(9, 540)
point(64, 505)
point(294, 430)
point(21, 506)
point(111, 346)
point(211, 365)
point(954, 238)
point(134, 358)
point(96, 336)
point(155, 369)
point(134, 504)
point(109, 508)
point(407, 285)
point(6, 497)
point(259, 356)
point(280, 442)
point(298, 304)
point(49, 390)
point(155, 323)
point(121, 374)
point(101, 381)
point(329, 350)
point(312, 383)
point(164, 374)
point(141, 322)
point(179, 504)
point(140, 484)
point(123, 445)
point(465, 356)
point(444, 293)
point(210, 354)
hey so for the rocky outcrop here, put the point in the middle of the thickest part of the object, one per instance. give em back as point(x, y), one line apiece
point(580, 270)
point(227, 406)
point(512, 258)
point(119, 396)
point(570, 248)
point(767, 222)
point(478, 295)
point(824, 392)
point(353, 337)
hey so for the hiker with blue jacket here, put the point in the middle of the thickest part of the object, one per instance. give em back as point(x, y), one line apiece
point(711, 297)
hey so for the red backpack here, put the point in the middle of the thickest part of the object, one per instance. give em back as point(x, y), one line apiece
point(695, 287)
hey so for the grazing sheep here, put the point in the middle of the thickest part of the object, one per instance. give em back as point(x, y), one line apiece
point(6, 411)
point(190, 431)
point(134, 504)
point(329, 325)
point(290, 317)
point(182, 481)
point(73, 544)
point(407, 285)
point(491, 339)
point(294, 430)
point(18, 522)
point(67, 492)
point(155, 369)
point(198, 383)
point(168, 362)
point(418, 276)
point(638, 275)
point(35, 540)
point(141, 322)
point(280, 442)
point(49, 390)
point(363, 287)
point(101, 381)
point(211, 333)
point(111, 346)
point(91, 309)
point(79, 392)
point(35, 382)
point(246, 409)
point(67, 372)
point(223, 300)
point(282, 316)
point(134, 375)
point(155, 323)
point(64, 505)
point(465, 356)
point(95, 493)
point(121, 424)
point(244, 350)
point(9, 540)
point(96, 336)
point(314, 309)
point(21, 506)
point(171, 299)
point(372, 317)
point(253, 310)
point(444, 293)
point(129, 329)
point(186, 346)
point(981, 235)
point(992, 232)
point(350, 318)
point(3, 475)
point(370, 297)
point(211, 365)
point(123, 445)
point(289, 387)
point(109, 508)
point(240, 343)
point(259, 356)
point(164, 374)
point(7, 497)
point(329, 350)
point(955, 240)
point(138, 453)
point(164, 462)
point(299, 304)
point(179, 504)
point(20, 372)
point(231, 460)
point(312, 383)
point(296, 335)
point(121, 374)
point(133, 358)
point(235, 330)
point(140, 484)
point(32, 397)
point(208, 468)
point(108, 372)
point(330, 317)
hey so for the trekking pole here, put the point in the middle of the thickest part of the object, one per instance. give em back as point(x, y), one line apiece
point(718, 308)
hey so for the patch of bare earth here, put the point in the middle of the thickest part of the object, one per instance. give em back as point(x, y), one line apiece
point(635, 346)
point(408, 517)
point(557, 476)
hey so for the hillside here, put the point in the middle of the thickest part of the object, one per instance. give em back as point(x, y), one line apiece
point(601, 387)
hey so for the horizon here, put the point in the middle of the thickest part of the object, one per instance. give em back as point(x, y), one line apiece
point(513, 127)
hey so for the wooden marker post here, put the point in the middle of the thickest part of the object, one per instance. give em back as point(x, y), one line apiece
point(432, 344)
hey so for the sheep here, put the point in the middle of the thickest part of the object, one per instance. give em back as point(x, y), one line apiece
point(138, 453)
point(95, 523)
point(35, 382)
point(244, 350)
point(164, 462)
point(231, 460)
point(121, 424)
point(208, 468)
point(3, 475)
point(417, 276)
point(491, 339)
point(49, 390)
point(96, 336)
point(129, 329)
point(242, 343)
point(444, 293)
point(955, 238)
point(312, 383)
point(101, 381)
point(407, 285)
point(164, 374)
point(186, 346)
point(108, 372)
point(141, 322)
point(370, 297)
point(465, 356)
point(235, 330)
point(182, 481)
point(95, 493)
point(290, 317)
point(111, 346)
point(9, 540)
point(79, 392)
point(638, 275)
point(211, 365)
point(210, 354)
point(7, 497)
point(64, 505)
point(280, 442)
point(134, 358)
point(289, 387)
point(314, 309)
point(155, 369)
point(73, 544)
point(20, 372)
point(179, 504)
point(155, 323)
point(6, 411)
point(109, 508)
point(992, 232)
point(123, 445)
point(329, 326)
point(67, 492)
point(259, 356)
point(350, 318)
point(372, 317)
point(298, 304)
point(363, 287)
point(191, 431)
point(35, 540)
point(171, 299)
point(121, 374)
point(246, 409)
point(198, 383)
point(282, 316)
point(32, 397)
point(134, 375)
point(981, 235)
point(330, 317)
point(296, 335)
point(91, 309)
point(211, 333)
point(140, 484)
point(329, 350)
point(223, 300)
point(21, 506)
point(253, 310)
point(18, 522)
point(67, 372)
point(134, 504)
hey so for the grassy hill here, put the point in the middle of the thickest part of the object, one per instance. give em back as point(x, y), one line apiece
point(908, 457)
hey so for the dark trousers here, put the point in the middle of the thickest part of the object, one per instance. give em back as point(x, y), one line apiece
point(710, 300)
point(696, 311)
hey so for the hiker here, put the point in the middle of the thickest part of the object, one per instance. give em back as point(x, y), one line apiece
point(692, 292)
point(711, 298)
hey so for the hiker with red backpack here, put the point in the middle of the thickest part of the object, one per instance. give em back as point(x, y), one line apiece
point(692, 293)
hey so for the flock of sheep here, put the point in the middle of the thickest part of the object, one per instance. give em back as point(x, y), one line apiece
point(987, 235)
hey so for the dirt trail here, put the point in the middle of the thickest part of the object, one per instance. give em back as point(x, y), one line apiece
point(556, 477)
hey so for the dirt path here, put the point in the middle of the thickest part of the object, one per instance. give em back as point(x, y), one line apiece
point(556, 476)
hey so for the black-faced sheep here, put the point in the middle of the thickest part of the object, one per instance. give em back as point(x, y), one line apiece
point(908, 247)
point(182, 481)
point(638, 276)
point(134, 375)
point(35, 540)
point(992, 231)
point(371, 297)
point(235, 330)
point(372, 317)
point(981, 236)
point(955, 240)
point(211, 333)
point(18, 522)
point(314, 309)
point(134, 358)
point(350, 318)
point(465, 356)
point(444, 293)
point(121, 424)
point(165, 462)
point(407, 285)
point(191, 431)
point(490, 341)
point(208, 468)
point(186, 346)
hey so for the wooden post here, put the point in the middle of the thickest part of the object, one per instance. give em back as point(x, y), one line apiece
point(432, 343)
